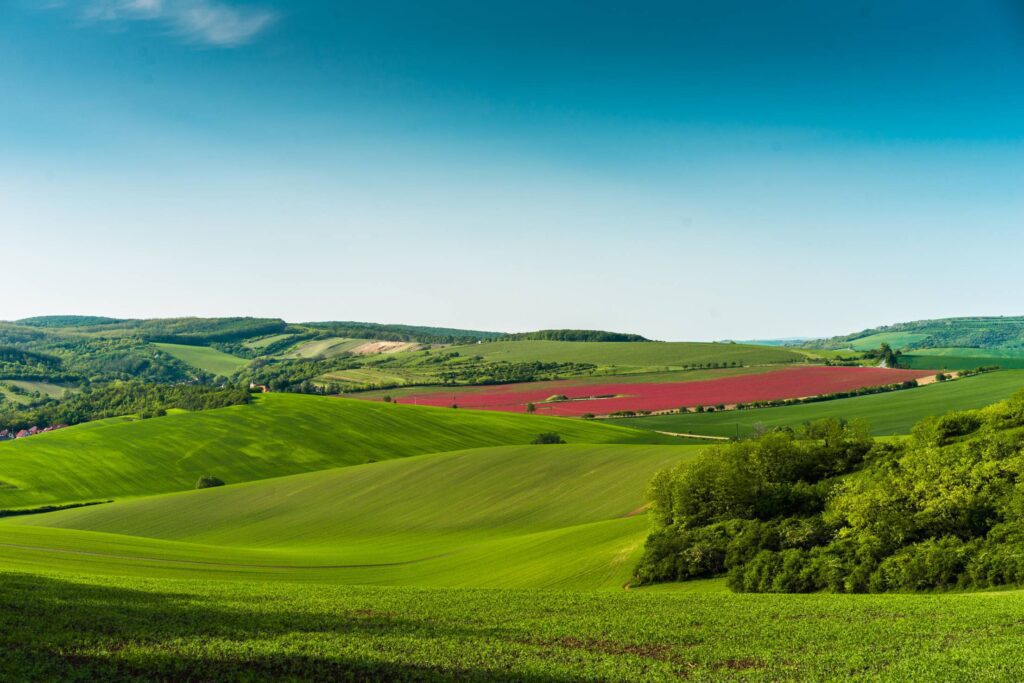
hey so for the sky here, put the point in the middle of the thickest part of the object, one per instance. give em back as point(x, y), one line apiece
point(683, 170)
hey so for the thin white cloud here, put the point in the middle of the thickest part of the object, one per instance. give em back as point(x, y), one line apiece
point(206, 22)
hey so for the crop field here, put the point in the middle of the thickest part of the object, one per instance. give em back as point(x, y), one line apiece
point(964, 358)
point(205, 358)
point(631, 356)
point(325, 348)
point(604, 399)
point(890, 413)
point(514, 516)
point(398, 393)
point(278, 434)
point(264, 342)
point(57, 626)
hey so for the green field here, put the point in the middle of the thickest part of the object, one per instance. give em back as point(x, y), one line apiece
point(278, 434)
point(264, 342)
point(325, 348)
point(72, 627)
point(205, 358)
point(963, 358)
point(514, 516)
point(889, 413)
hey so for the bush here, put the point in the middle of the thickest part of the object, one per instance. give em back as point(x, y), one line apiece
point(548, 438)
point(208, 482)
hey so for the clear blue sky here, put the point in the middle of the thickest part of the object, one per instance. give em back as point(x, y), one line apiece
point(682, 170)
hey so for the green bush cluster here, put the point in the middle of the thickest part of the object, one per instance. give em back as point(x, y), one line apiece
point(826, 509)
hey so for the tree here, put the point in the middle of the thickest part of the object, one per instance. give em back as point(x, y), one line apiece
point(208, 482)
point(530, 408)
point(548, 438)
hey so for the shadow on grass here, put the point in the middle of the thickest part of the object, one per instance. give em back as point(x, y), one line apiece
point(53, 629)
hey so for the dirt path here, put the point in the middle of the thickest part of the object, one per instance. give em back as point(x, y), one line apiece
point(694, 436)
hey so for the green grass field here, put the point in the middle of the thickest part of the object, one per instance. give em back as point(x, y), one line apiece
point(325, 348)
point(630, 356)
point(45, 388)
point(69, 627)
point(278, 434)
point(264, 342)
point(890, 413)
point(964, 358)
point(514, 516)
point(205, 358)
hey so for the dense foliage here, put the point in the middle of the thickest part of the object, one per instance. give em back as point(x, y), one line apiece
point(828, 509)
point(120, 398)
point(576, 336)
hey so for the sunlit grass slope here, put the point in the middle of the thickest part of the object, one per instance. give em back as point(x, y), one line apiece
point(205, 358)
point(507, 516)
point(890, 413)
point(278, 434)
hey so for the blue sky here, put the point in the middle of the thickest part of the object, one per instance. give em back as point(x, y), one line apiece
point(683, 170)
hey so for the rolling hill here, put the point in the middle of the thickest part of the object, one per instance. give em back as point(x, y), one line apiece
point(977, 332)
point(527, 516)
point(278, 434)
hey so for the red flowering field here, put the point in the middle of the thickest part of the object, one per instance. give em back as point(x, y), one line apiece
point(604, 399)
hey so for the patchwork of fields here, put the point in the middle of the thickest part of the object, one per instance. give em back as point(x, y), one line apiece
point(608, 398)
point(362, 539)
point(887, 414)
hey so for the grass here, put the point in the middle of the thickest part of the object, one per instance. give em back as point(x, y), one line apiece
point(630, 356)
point(964, 358)
point(45, 388)
point(889, 413)
point(325, 348)
point(205, 358)
point(514, 516)
point(264, 342)
point(278, 434)
point(373, 375)
point(57, 627)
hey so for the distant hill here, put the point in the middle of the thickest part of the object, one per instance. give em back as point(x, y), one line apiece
point(67, 321)
point(1003, 332)
point(575, 336)
point(785, 341)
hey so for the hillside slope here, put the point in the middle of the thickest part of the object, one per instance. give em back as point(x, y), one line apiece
point(506, 516)
point(980, 332)
point(278, 434)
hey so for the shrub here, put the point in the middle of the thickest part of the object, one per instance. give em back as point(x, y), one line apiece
point(208, 482)
point(548, 438)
